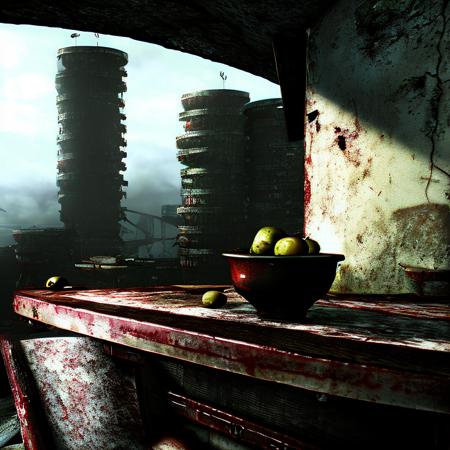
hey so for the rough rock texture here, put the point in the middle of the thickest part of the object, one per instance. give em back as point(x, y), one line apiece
point(377, 146)
point(235, 32)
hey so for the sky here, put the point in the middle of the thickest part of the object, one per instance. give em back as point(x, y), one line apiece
point(157, 78)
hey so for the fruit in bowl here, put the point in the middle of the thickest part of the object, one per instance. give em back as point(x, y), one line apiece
point(265, 240)
point(286, 281)
point(290, 246)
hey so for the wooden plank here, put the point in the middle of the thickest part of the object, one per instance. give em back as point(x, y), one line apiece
point(327, 421)
point(361, 382)
point(25, 397)
point(236, 427)
point(395, 333)
point(163, 408)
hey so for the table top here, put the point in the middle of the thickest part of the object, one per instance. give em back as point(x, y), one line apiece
point(390, 350)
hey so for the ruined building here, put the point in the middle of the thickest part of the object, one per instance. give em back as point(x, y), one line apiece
point(91, 140)
point(241, 173)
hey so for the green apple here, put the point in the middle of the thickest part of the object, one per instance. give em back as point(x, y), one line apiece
point(290, 246)
point(214, 299)
point(265, 240)
point(313, 246)
point(56, 283)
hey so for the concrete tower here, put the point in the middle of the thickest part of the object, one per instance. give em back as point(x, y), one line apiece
point(90, 146)
point(212, 184)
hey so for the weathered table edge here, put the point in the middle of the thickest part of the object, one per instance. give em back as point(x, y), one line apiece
point(355, 381)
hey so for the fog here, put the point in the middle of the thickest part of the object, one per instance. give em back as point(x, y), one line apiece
point(157, 78)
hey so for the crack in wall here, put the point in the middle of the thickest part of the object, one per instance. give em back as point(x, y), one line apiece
point(383, 23)
point(433, 133)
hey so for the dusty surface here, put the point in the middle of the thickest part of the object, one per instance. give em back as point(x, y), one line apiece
point(88, 402)
point(355, 348)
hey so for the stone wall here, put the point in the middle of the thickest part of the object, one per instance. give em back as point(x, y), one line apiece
point(377, 140)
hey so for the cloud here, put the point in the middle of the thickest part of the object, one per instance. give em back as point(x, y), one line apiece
point(31, 205)
point(24, 118)
point(29, 86)
point(12, 48)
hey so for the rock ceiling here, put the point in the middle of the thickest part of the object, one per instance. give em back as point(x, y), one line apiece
point(234, 32)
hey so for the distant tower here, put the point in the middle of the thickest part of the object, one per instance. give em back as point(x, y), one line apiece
point(275, 168)
point(212, 184)
point(90, 141)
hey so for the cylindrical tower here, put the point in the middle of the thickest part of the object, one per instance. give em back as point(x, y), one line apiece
point(212, 186)
point(274, 169)
point(90, 145)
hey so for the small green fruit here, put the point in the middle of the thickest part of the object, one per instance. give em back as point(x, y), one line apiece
point(56, 283)
point(265, 240)
point(214, 299)
point(313, 246)
point(290, 246)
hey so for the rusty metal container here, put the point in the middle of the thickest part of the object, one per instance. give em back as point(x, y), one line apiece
point(274, 168)
point(212, 186)
point(90, 143)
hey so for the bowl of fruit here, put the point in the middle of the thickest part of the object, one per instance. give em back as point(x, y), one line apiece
point(282, 275)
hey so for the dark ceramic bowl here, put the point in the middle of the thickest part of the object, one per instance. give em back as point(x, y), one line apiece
point(282, 287)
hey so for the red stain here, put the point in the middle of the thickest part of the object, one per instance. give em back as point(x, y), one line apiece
point(353, 156)
point(246, 358)
point(346, 140)
point(65, 412)
point(19, 383)
point(358, 126)
point(307, 189)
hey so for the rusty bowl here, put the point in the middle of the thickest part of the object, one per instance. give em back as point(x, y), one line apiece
point(282, 287)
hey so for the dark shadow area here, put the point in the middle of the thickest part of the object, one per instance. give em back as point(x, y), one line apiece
point(387, 68)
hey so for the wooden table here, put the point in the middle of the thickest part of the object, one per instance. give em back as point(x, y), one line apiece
point(387, 351)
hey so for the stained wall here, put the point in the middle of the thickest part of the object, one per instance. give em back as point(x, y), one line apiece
point(377, 140)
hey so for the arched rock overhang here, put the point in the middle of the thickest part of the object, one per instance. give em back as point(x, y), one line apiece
point(234, 32)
